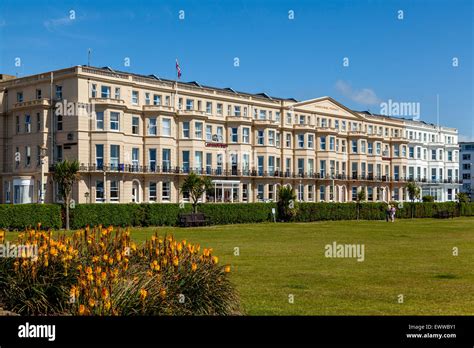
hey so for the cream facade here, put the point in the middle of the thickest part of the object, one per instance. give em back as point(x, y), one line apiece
point(137, 137)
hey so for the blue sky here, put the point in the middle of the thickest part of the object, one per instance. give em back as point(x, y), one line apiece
point(405, 60)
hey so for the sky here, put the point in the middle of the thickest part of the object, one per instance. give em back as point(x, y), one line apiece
point(363, 53)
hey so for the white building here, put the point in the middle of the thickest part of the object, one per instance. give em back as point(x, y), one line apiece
point(433, 159)
point(466, 164)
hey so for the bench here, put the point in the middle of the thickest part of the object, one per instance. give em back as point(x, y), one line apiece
point(445, 214)
point(193, 220)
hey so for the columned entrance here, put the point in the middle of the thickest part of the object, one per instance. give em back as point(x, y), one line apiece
point(226, 191)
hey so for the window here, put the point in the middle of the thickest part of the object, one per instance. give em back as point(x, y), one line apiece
point(59, 122)
point(166, 127)
point(354, 193)
point(411, 152)
point(94, 91)
point(260, 165)
point(362, 146)
point(152, 129)
point(27, 156)
point(246, 135)
point(220, 134)
point(219, 163)
point(331, 143)
point(277, 116)
point(288, 140)
point(105, 92)
point(114, 156)
point(114, 121)
point(152, 159)
point(186, 129)
point(219, 109)
point(288, 118)
point(166, 159)
point(322, 143)
point(152, 191)
point(166, 191)
point(38, 121)
point(186, 161)
point(300, 166)
point(271, 137)
point(135, 158)
point(59, 92)
point(117, 93)
point(99, 191)
point(262, 115)
point(59, 153)
point(198, 161)
point(114, 191)
point(189, 104)
point(370, 148)
point(156, 99)
point(322, 168)
point(99, 118)
point(260, 137)
point(208, 163)
point(277, 140)
point(450, 156)
point(209, 108)
point(99, 156)
point(19, 97)
point(135, 97)
point(198, 130)
point(260, 188)
point(378, 148)
point(208, 133)
point(237, 110)
point(234, 135)
point(433, 155)
point(17, 124)
point(271, 165)
point(27, 123)
point(301, 141)
point(354, 146)
point(38, 93)
point(135, 125)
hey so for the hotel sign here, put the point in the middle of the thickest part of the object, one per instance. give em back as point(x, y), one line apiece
point(220, 145)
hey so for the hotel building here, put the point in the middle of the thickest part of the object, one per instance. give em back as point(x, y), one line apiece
point(138, 136)
point(466, 164)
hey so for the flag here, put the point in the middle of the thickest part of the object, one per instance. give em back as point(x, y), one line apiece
point(178, 69)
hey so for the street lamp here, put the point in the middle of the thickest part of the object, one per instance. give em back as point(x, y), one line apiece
point(86, 195)
point(43, 152)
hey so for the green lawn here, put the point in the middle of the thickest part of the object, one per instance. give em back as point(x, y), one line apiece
point(409, 257)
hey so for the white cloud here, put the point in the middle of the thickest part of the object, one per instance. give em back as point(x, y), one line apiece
point(362, 96)
point(52, 24)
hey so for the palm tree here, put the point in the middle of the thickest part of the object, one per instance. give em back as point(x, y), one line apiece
point(360, 199)
point(66, 174)
point(413, 193)
point(196, 185)
point(287, 208)
point(462, 197)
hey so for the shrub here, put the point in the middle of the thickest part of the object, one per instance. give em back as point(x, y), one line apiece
point(108, 215)
point(103, 272)
point(20, 216)
point(428, 199)
point(287, 206)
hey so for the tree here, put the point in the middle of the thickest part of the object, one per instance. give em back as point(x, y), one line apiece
point(360, 198)
point(413, 191)
point(286, 204)
point(66, 174)
point(428, 199)
point(462, 197)
point(196, 185)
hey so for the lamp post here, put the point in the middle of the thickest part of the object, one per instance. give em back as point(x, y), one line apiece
point(86, 195)
point(332, 184)
point(43, 151)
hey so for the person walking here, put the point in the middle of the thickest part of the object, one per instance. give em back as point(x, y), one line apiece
point(387, 213)
point(392, 213)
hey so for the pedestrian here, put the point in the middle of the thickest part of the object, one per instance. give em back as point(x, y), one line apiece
point(387, 212)
point(392, 213)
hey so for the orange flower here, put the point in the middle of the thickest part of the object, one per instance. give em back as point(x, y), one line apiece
point(91, 302)
point(107, 305)
point(143, 294)
point(105, 293)
point(194, 267)
point(82, 309)
point(227, 269)
point(175, 261)
point(163, 293)
point(215, 259)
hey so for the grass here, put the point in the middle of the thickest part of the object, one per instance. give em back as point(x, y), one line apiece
point(413, 258)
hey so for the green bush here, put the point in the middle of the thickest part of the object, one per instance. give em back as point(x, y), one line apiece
point(20, 216)
point(237, 213)
point(108, 214)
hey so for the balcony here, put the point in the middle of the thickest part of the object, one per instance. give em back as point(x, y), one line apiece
point(193, 113)
point(158, 108)
point(32, 103)
point(107, 101)
point(304, 126)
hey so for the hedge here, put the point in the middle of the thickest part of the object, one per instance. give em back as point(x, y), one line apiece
point(163, 214)
point(20, 216)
